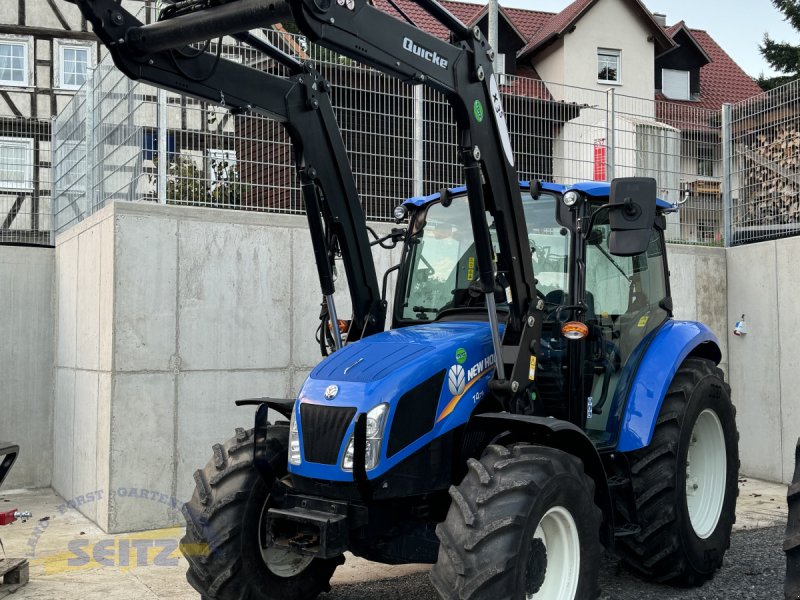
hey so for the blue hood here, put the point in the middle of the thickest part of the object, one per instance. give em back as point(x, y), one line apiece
point(383, 367)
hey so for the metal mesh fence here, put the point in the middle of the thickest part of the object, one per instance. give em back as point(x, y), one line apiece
point(110, 141)
point(764, 137)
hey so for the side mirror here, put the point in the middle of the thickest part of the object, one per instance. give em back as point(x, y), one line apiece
point(633, 210)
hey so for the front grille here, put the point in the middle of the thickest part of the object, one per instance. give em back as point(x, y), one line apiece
point(323, 431)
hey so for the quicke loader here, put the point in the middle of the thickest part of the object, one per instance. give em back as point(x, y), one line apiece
point(532, 400)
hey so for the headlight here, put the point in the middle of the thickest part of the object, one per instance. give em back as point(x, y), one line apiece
point(400, 212)
point(376, 422)
point(571, 198)
point(294, 439)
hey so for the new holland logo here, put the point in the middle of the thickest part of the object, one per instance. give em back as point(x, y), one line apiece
point(429, 55)
point(331, 391)
point(456, 380)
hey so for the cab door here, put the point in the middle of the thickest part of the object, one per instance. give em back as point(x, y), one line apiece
point(626, 301)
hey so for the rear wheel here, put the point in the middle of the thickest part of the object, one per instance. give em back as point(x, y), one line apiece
point(226, 541)
point(685, 482)
point(522, 526)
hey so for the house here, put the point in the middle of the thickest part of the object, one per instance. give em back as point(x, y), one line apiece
point(648, 94)
point(46, 51)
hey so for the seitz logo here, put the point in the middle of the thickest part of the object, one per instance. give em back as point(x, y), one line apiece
point(429, 55)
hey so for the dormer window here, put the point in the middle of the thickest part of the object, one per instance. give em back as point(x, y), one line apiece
point(608, 66)
point(675, 84)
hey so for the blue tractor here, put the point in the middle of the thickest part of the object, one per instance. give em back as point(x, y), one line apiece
point(398, 449)
point(532, 400)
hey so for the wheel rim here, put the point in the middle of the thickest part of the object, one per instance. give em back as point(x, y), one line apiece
point(558, 534)
point(281, 562)
point(706, 473)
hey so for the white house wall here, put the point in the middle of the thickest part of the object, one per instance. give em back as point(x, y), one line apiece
point(610, 24)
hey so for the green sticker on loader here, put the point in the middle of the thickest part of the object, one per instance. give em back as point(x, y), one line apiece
point(477, 109)
point(461, 356)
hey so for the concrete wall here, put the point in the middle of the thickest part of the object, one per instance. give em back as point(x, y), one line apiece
point(698, 280)
point(26, 362)
point(765, 363)
point(166, 315)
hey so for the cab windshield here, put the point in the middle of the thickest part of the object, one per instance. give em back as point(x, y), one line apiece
point(443, 270)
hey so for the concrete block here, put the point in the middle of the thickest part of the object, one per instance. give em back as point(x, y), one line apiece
point(682, 279)
point(755, 371)
point(788, 350)
point(145, 276)
point(142, 452)
point(306, 298)
point(103, 446)
point(88, 299)
point(26, 361)
point(712, 304)
point(84, 441)
point(106, 296)
point(63, 420)
point(66, 302)
point(235, 298)
point(299, 377)
point(207, 414)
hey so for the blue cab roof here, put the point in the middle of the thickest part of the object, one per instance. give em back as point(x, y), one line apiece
point(593, 189)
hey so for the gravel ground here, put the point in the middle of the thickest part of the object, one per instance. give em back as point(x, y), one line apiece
point(754, 570)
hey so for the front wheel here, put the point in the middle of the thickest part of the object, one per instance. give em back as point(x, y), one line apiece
point(522, 525)
point(685, 482)
point(226, 541)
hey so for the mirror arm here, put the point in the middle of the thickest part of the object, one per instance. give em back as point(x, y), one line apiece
point(585, 232)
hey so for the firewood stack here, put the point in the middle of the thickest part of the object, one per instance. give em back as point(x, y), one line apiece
point(772, 177)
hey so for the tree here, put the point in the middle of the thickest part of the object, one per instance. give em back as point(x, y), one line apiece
point(782, 56)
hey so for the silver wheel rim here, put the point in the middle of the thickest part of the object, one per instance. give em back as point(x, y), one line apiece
point(559, 534)
point(281, 562)
point(706, 474)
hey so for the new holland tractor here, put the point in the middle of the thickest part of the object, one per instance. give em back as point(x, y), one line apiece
point(532, 399)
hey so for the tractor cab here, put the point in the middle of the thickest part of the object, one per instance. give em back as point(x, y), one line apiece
point(599, 308)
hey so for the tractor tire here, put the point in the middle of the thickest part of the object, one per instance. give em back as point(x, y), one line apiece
point(521, 525)
point(792, 543)
point(685, 483)
point(226, 537)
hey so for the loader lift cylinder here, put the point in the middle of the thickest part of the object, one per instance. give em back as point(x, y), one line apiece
point(226, 19)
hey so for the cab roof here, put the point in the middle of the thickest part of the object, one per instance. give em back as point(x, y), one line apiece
point(593, 189)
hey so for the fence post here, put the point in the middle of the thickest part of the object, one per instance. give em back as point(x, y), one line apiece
point(161, 112)
point(418, 148)
point(89, 123)
point(611, 152)
point(727, 167)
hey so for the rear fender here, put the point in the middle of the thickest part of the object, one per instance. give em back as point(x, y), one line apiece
point(507, 428)
point(673, 343)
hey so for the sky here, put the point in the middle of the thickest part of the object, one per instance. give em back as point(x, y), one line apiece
point(737, 25)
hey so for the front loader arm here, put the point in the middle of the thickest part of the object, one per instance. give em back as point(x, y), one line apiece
point(300, 102)
point(460, 69)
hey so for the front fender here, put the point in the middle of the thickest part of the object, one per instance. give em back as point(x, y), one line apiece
point(558, 434)
point(671, 345)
